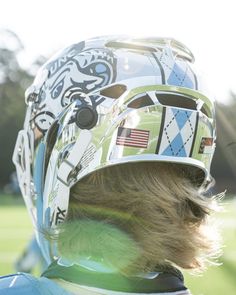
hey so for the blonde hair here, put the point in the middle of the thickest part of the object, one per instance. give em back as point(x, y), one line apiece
point(154, 204)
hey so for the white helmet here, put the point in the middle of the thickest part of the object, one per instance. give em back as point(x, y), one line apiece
point(108, 101)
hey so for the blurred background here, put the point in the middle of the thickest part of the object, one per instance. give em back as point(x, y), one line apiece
point(31, 31)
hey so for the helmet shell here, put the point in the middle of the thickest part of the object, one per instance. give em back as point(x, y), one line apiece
point(109, 101)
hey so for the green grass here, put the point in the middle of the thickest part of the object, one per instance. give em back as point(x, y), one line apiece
point(220, 280)
point(16, 229)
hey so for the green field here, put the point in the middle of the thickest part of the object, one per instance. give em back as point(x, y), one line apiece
point(16, 229)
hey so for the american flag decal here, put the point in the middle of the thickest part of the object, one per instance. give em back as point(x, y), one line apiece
point(132, 137)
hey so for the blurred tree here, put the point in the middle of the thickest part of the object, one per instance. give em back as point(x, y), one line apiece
point(224, 164)
point(13, 82)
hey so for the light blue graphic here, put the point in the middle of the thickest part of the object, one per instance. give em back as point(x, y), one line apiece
point(178, 133)
point(179, 77)
point(176, 147)
point(26, 284)
point(181, 117)
point(100, 68)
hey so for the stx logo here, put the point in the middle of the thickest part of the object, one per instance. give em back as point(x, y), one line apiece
point(58, 216)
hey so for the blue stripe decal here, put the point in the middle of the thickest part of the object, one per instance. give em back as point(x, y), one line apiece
point(178, 77)
point(38, 180)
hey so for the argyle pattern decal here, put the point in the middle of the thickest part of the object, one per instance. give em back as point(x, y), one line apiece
point(180, 77)
point(178, 132)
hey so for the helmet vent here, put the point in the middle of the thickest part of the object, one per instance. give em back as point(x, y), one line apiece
point(114, 91)
point(205, 112)
point(174, 100)
point(140, 102)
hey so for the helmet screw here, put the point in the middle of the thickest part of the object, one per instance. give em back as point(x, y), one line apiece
point(86, 117)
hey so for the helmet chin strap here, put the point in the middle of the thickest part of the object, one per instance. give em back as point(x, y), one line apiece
point(60, 202)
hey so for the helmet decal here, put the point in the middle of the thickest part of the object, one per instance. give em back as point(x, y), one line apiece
point(179, 77)
point(43, 121)
point(174, 71)
point(178, 132)
point(97, 68)
point(64, 57)
point(132, 137)
point(70, 78)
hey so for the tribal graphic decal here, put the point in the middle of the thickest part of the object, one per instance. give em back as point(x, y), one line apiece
point(43, 121)
point(76, 72)
point(97, 68)
point(64, 58)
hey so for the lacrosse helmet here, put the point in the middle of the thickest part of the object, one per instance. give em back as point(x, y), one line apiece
point(108, 101)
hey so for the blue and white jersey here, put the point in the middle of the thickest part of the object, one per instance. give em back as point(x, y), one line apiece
point(26, 284)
